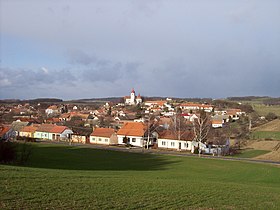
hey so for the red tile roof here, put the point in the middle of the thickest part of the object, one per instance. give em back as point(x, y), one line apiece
point(185, 136)
point(133, 129)
point(29, 129)
point(4, 130)
point(58, 129)
point(45, 127)
point(103, 132)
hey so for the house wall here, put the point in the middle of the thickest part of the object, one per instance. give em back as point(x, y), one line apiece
point(215, 125)
point(66, 133)
point(99, 140)
point(174, 144)
point(79, 139)
point(26, 134)
point(133, 140)
point(41, 135)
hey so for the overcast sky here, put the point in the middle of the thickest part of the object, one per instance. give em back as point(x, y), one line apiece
point(100, 48)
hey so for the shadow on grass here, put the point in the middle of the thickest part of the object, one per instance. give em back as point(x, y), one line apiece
point(77, 158)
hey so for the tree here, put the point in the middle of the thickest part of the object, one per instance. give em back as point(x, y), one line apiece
point(271, 116)
point(178, 125)
point(202, 127)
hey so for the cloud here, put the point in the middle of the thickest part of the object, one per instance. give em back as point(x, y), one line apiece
point(45, 70)
point(25, 78)
point(93, 68)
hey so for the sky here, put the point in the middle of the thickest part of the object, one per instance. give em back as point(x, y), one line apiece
point(72, 49)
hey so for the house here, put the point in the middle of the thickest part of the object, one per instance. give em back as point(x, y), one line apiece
point(234, 113)
point(18, 125)
point(132, 100)
point(52, 110)
point(28, 131)
point(169, 140)
point(195, 106)
point(217, 123)
point(105, 136)
point(43, 131)
point(60, 133)
point(153, 104)
point(81, 135)
point(7, 133)
point(53, 132)
point(132, 133)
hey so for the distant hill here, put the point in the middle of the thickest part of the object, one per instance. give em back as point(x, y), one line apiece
point(37, 100)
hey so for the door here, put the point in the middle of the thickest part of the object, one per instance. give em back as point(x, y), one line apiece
point(179, 145)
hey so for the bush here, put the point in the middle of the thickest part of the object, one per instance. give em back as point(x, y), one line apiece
point(196, 151)
point(8, 152)
point(15, 153)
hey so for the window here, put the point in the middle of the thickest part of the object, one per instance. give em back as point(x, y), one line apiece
point(163, 143)
point(106, 140)
point(133, 139)
point(100, 139)
point(172, 144)
point(93, 139)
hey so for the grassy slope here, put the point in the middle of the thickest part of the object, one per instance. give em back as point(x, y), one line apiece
point(251, 153)
point(107, 179)
point(263, 110)
point(270, 130)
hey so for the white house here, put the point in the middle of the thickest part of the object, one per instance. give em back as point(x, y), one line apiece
point(132, 99)
point(217, 123)
point(132, 133)
point(52, 110)
point(194, 106)
point(169, 140)
point(53, 132)
point(105, 136)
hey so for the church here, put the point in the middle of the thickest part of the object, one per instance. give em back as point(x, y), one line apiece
point(132, 100)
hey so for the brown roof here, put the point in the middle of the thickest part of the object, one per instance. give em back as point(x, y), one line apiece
point(45, 127)
point(29, 129)
point(4, 130)
point(133, 129)
point(185, 136)
point(217, 121)
point(103, 132)
point(58, 129)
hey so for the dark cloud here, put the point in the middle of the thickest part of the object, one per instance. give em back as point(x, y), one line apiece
point(93, 68)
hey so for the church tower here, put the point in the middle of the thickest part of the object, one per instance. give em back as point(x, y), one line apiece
point(132, 96)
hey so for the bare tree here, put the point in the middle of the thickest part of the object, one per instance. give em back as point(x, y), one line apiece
point(201, 128)
point(178, 125)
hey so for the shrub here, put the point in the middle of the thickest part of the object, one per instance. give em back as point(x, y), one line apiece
point(7, 152)
point(15, 153)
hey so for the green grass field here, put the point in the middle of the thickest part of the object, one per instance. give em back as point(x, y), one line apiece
point(251, 153)
point(63, 177)
point(263, 110)
point(271, 135)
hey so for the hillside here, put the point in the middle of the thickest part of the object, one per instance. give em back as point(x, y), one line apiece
point(273, 126)
point(63, 177)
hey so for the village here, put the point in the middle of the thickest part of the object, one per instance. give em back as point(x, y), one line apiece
point(158, 124)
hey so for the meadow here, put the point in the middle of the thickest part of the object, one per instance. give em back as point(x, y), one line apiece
point(65, 177)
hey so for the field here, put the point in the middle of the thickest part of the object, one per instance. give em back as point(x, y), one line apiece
point(251, 153)
point(263, 110)
point(64, 177)
point(270, 130)
point(270, 135)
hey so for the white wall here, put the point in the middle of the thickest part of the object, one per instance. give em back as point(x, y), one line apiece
point(174, 144)
point(99, 140)
point(133, 140)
